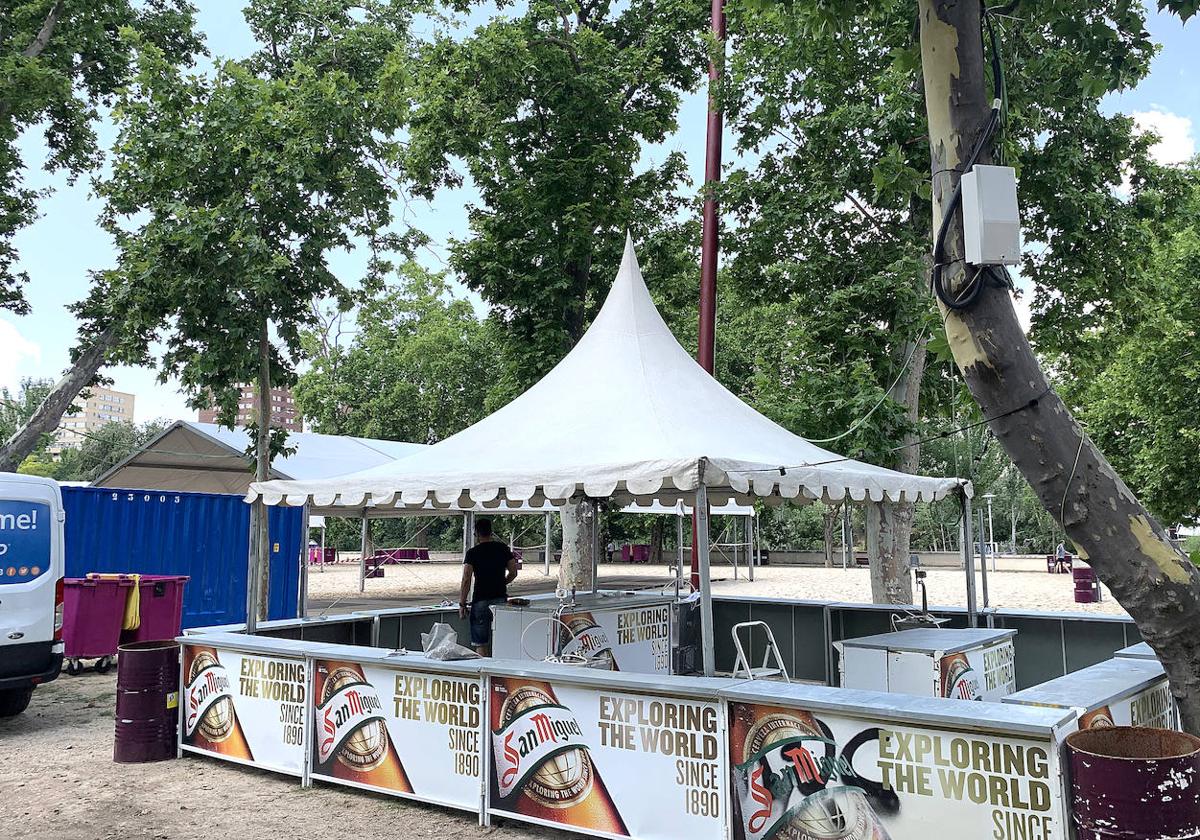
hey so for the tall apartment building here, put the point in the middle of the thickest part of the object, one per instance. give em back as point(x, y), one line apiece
point(283, 409)
point(102, 405)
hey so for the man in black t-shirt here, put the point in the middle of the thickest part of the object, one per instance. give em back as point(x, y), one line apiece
point(492, 567)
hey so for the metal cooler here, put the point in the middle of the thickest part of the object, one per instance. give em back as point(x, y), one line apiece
point(623, 631)
point(971, 664)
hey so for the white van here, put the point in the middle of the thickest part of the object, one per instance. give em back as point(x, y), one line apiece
point(31, 587)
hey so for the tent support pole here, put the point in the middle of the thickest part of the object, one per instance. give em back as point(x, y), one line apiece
point(750, 535)
point(985, 549)
point(847, 539)
point(707, 641)
point(678, 552)
point(968, 550)
point(595, 546)
point(548, 526)
point(302, 593)
point(322, 549)
point(468, 531)
point(252, 573)
point(362, 552)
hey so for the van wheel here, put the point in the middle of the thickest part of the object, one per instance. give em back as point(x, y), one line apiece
point(14, 700)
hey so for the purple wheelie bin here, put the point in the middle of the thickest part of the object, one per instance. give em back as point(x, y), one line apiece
point(160, 605)
point(93, 611)
point(161, 608)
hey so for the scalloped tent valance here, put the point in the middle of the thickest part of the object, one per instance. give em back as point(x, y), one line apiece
point(629, 415)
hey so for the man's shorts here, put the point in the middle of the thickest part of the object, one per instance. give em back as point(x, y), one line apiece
point(481, 620)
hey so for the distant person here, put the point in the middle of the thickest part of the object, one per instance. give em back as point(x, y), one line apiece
point(1060, 553)
point(491, 567)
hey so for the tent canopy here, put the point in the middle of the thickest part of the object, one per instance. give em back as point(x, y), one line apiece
point(207, 458)
point(627, 414)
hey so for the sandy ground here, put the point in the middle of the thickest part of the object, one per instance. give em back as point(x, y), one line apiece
point(58, 779)
point(431, 582)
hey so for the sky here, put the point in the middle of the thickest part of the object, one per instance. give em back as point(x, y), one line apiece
point(65, 244)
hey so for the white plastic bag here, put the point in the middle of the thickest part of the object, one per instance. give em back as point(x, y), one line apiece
point(441, 642)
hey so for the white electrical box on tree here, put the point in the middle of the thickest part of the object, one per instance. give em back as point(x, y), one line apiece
point(990, 219)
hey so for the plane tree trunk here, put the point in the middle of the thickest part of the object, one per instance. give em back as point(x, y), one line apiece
point(262, 447)
point(1128, 549)
point(48, 415)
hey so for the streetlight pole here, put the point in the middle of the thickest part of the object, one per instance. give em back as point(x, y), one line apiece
point(990, 534)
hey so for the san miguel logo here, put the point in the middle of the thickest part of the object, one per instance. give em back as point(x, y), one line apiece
point(959, 680)
point(588, 639)
point(208, 703)
point(351, 724)
point(539, 749)
point(784, 789)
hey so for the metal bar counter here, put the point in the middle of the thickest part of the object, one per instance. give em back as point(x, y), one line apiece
point(1117, 692)
point(908, 768)
point(617, 754)
point(1141, 650)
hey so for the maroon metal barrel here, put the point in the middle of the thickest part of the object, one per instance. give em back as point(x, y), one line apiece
point(147, 702)
point(1087, 589)
point(1131, 782)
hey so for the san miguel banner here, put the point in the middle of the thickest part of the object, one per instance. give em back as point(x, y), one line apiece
point(409, 733)
point(1153, 707)
point(799, 776)
point(602, 762)
point(987, 673)
point(637, 640)
point(245, 707)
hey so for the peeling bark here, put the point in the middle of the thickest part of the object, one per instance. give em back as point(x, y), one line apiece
point(575, 570)
point(832, 514)
point(890, 580)
point(1129, 551)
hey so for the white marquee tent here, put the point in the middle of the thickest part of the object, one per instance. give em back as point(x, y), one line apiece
point(628, 415)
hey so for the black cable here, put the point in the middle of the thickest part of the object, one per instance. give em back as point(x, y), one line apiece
point(1032, 402)
point(974, 288)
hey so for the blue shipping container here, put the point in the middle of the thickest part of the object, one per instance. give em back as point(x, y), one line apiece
point(205, 536)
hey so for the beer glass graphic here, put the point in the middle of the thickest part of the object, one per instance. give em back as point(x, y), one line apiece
point(836, 813)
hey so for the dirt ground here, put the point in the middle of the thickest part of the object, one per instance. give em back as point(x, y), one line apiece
point(58, 780)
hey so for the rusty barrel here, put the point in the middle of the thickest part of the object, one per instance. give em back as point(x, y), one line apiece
point(1131, 782)
point(147, 702)
point(1087, 589)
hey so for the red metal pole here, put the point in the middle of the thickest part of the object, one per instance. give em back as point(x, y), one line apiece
point(709, 245)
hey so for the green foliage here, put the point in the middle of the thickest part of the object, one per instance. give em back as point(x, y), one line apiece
point(1184, 8)
point(229, 190)
point(420, 367)
point(1140, 403)
point(833, 213)
point(60, 62)
point(16, 409)
point(549, 112)
point(37, 465)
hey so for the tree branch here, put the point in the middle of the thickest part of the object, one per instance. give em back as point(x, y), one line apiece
point(565, 45)
point(45, 33)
